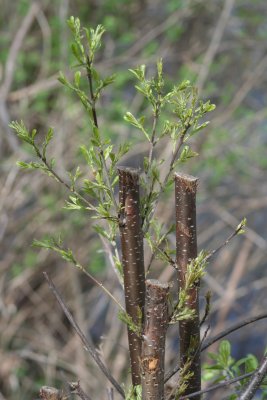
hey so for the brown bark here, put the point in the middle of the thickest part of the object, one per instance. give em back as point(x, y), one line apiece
point(132, 259)
point(153, 349)
point(186, 251)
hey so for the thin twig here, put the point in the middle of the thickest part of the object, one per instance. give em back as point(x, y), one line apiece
point(215, 43)
point(221, 335)
point(218, 386)
point(207, 307)
point(91, 277)
point(15, 46)
point(60, 180)
point(235, 233)
point(84, 340)
point(233, 328)
point(110, 394)
point(255, 381)
point(75, 387)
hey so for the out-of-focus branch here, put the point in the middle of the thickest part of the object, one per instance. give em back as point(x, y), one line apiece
point(84, 340)
point(215, 43)
point(15, 46)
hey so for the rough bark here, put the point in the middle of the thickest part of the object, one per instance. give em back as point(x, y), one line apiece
point(153, 349)
point(186, 251)
point(132, 259)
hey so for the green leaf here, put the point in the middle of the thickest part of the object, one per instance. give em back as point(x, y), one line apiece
point(23, 165)
point(241, 227)
point(187, 153)
point(139, 72)
point(77, 78)
point(133, 121)
point(62, 79)
point(225, 351)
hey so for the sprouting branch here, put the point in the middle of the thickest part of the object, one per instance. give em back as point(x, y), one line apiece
point(84, 340)
point(67, 255)
point(239, 229)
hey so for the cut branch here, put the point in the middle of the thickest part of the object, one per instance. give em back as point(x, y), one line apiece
point(153, 349)
point(186, 252)
point(132, 260)
point(84, 340)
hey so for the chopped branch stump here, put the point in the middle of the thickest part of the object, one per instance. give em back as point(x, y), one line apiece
point(153, 349)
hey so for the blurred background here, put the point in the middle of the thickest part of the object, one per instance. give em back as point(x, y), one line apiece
point(221, 46)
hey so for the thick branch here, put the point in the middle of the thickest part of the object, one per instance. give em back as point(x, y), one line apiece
point(186, 251)
point(84, 340)
point(132, 260)
point(153, 349)
point(255, 381)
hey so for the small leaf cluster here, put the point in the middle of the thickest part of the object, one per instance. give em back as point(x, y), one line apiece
point(127, 319)
point(195, 271)
point(56, 244)
point(225, 367)
point(134, 393)
point(30, 137)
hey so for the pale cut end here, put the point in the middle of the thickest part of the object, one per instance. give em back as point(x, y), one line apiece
point(156, 283)
point(190, 182)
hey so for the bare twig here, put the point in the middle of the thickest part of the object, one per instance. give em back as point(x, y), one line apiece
point(225, 243)
point(84, 340)
point(110, 394)
point(15, 46)
point(233, 328)
point(214, 43)
point(221, 335)
point(218, 386)
point(255, 381)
